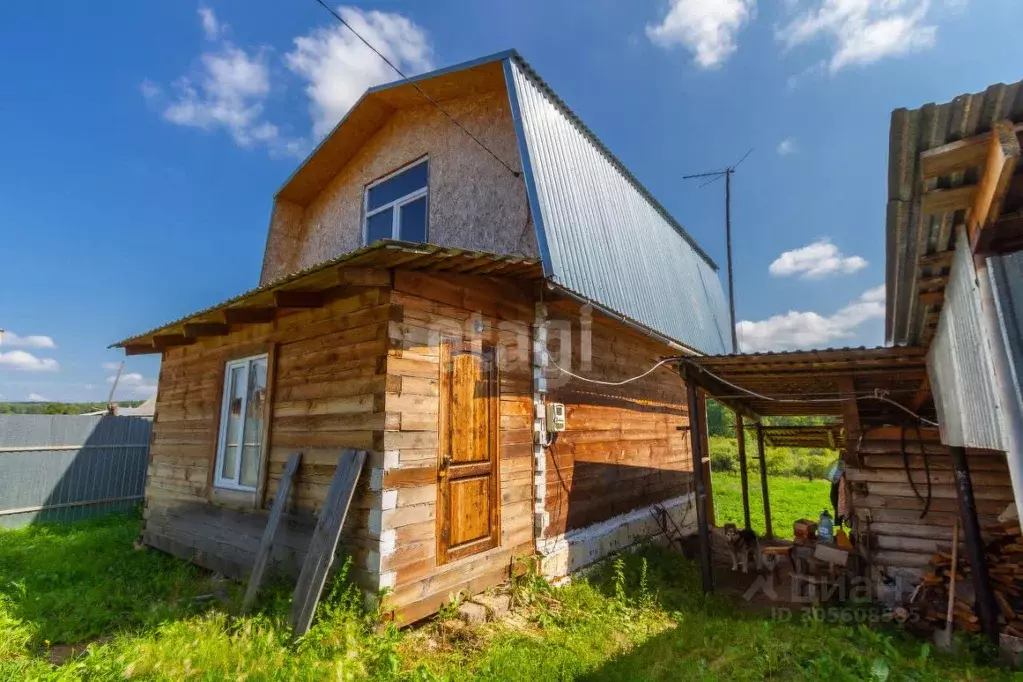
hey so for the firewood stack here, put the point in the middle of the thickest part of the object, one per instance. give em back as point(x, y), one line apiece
point(1005, 565)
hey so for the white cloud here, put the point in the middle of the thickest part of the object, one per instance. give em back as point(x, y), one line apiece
point(795, 330)
point(211, 26)
point(338, 67)
point(227, 90)
point(10, 339)
point(229, 94)
point(112, 365)
point(135, 384)
point(862, 31)
point(150, 90)
point(26, 362)
point(814, 261)
point(36, 398)
point(708, 28)
point(786, 147)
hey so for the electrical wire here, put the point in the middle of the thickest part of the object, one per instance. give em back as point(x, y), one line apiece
point(517, 174)
point(877, 395)
point(611, 383)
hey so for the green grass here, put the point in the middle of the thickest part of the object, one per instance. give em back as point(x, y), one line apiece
point(641, 617)
point(791, 499)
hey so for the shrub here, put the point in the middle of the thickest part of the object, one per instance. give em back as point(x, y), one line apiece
point(724, 454)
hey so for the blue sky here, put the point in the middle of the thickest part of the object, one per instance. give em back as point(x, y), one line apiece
point(143, 143)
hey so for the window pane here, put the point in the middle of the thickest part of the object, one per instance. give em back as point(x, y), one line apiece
point(412, 225)
point(400, 185)
point(254, 411)
point(379, 226)
point(232, 432)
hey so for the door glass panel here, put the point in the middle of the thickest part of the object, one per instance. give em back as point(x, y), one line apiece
point(392, 189)
point(412, 221)
point(254, 411)
point(380, 226)
point(232, 432)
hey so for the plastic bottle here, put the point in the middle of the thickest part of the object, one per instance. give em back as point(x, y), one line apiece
point(825, 528)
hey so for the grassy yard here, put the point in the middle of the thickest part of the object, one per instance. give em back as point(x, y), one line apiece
point(641, 617)
point(791, 498)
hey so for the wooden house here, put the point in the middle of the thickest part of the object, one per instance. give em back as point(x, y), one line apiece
point(429, 289)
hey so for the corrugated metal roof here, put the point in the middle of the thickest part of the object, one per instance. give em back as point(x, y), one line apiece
point(910, 236)
point(386, 253)
point(602, 234)
point(962, 377)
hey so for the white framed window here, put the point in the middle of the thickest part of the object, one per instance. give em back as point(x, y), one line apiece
point(396, 205)
point(240, 441)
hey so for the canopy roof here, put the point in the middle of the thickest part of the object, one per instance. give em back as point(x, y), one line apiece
point(945, 170)
point(813, 382)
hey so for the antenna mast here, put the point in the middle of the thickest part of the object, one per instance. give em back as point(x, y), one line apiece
point(714, 176)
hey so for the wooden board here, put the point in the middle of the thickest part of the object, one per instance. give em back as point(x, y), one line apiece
point(266, 544)
point(325, 539)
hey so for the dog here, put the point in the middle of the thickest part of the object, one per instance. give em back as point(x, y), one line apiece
point(742, 543)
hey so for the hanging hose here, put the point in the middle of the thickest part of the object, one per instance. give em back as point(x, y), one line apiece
point(927, 468)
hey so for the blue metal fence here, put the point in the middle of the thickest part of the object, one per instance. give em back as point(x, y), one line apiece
point(63, 468)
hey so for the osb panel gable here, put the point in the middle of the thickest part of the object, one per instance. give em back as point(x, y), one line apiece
point(284, 240)
point(475, 203)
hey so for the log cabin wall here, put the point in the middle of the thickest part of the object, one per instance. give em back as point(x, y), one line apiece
point(467, 188)
point(325, 394)
point(433, 307)
point(622, 450)
point(887, 512)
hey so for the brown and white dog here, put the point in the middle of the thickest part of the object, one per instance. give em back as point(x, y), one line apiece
point(742, 543)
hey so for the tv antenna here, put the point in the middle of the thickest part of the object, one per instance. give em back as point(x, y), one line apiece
point(714, 176)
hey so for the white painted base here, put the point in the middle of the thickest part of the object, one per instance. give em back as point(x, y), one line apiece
point(576, 549)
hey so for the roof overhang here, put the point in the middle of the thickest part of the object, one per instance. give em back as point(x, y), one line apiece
point(310, 288)
point(950, 165)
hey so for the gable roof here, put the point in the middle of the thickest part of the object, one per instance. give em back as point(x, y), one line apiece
point(600, 233)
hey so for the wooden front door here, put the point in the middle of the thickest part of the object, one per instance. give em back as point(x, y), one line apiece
point(468, 510)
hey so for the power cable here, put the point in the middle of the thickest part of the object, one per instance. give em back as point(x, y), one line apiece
point(879, 395)
point(611, 383)
point(517, 174)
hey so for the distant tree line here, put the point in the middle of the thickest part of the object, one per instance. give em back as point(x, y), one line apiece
point(810, 463)
point(60, 408)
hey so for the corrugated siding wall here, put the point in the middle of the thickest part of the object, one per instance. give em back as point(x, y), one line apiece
point(60, 468)
point(959, 363)
point(1007, 283)
point(606, 238)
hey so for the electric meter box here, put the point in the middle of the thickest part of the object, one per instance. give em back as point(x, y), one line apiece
point(555, 417)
